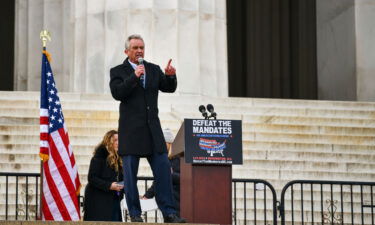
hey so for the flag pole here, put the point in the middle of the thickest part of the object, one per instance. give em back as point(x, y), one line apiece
point(41, 192)
point(44, 36)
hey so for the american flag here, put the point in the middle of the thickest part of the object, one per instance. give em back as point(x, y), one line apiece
point(61, 183)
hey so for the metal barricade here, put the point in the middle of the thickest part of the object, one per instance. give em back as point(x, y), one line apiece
point(327, 202)
point(25, 189)
point(257, 204)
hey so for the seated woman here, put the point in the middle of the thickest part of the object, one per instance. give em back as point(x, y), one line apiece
point(103, 192)
point(175, 170)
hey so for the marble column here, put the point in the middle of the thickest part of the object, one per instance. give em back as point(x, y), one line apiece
point(31, 18)
point(336, 49)
point(20, 46)
point(89, 35)
point(365, 36)
point(346, 53)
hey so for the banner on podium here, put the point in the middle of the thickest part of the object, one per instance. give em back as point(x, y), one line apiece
point(213, 141)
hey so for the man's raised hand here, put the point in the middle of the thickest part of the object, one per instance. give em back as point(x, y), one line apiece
point(170, 70)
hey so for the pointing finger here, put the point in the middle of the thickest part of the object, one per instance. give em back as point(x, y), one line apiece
point(169, 63)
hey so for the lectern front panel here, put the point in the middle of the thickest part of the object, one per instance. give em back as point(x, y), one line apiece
point(213, 141)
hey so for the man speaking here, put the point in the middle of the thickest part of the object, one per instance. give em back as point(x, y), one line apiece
point(136, 84)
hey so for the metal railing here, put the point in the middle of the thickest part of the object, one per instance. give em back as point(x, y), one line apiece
point(254, 201)
point(327, 202)
point(254, 198)
point(24, 187)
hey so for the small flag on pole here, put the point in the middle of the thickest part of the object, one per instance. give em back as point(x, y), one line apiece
point(61, 183)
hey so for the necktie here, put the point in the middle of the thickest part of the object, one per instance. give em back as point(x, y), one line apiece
point(143, 81)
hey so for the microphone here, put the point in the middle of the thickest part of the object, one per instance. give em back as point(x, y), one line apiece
point(142, 77)
point(202, 109)
point(210, 108)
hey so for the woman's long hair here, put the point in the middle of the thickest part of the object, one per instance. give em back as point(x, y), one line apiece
point(113, 159)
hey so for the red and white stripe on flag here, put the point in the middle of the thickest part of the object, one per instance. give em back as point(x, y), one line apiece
point(61, 184)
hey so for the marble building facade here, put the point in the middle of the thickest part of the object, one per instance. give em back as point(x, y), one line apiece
point(88, 39)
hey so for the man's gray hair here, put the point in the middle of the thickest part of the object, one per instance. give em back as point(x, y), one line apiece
point(133, 36)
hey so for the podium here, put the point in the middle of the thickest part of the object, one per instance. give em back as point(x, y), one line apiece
point(208, 148)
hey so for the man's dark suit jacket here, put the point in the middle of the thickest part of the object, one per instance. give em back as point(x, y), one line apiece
point(139, 126)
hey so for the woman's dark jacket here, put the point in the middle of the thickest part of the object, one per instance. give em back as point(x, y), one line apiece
point(99, 199)
point(175, 164)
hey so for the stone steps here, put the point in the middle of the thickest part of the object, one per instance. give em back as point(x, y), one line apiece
point(307, 108)
point(249, 148)
point(198, 100)
point(291, 120)
point(304, 129)
point(279, 183)
point(8, 116)
point(309, 147)
point(77, 123)
point(297, 211)
point(276, 173)
point(74, 126)
point(283, 140)
point(356, 192)
point(295, 174)
point(253, 163)
point(34, 149)
point(297, 217)
point(308, 138)
point(85, 152)
point(282, 111)
point(88, 138)
point(312, 156)
point(310, 121)
point(264, 157)
point(179, 106)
